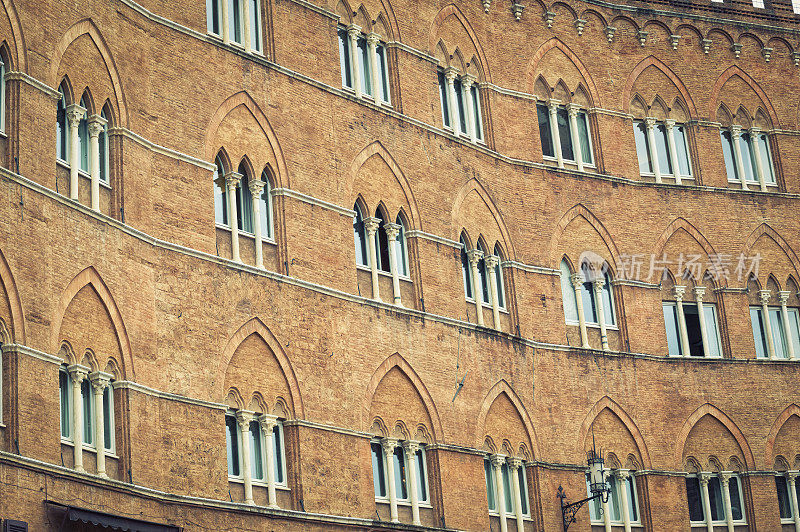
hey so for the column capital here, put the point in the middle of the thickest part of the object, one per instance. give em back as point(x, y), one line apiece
point(783, 296)
point(576, 279)
point(622, 474)
point(474, 255)
point(451, 73)
point(100, 380)
point(244, 417)
point(392, 230)
point(515, 463)
point(75, 113)
point(373, 38)
point(232, 179)
point(389, 444)
point(754, 130)
point(792, 475)
point(497, 460)
point(96, 125)
point(553, 104)
point(679, 291)
point(598, 283)
point(725, 477)
point(267, 422)
point(372, 224)
point(704, 478)
point(650, 122)
point(491, 261)
point(411, 447)
point(764, 296)
point(736, 132)
point(78, 372)
point(354, 30)
point(573, 109)
point(699, 292)
point(256, 187)
point(468, 80)
point(669, 123)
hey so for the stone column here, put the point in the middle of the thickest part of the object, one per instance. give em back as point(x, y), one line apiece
point(388, 445)
point(497, 465)
point(673, 150)
point(704, 478)
point(736, 134)
point(410, 448)
point(75, 114)
point(514, 464)
point(699, 292)
point(371, 225)
point(724, 480)
point(268, 423)
point(597, 285)
point(764, 297)
point(577, 284)
point(256, 189)
point(606, 515)
point(392, 232)
point(232, 180)
point(466, 85)
point(783, 297)
point(762, 181)
point(679, 293)
point(650, 123)
point(372, 53)
point(474, 256)
point(577, 149)
point(77, 373)
point(248, 44)
point(243, 419)
point(552, 106)
point(353, 32)
point(96, 125)
point(99, 382)
point(791, 478)
point(224, 22)
point(491, 262)
point(450, 74)
point(622, 482)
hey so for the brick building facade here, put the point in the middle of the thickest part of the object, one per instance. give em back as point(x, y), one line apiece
point(468, 240)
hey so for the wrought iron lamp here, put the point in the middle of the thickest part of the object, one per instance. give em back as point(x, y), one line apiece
point(598, 487)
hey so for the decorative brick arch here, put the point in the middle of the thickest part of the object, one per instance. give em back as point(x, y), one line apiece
point(87, 27)
point(789, 411)
point(556, 43)
point(766, 229)
point(397, 361)
point(679, 224)
point(19, 50)
point(599, 406)
point(452, 9)
point(89, 276)
point(17, 324)
point(502, 387)
point(256, 326)
point(376, 148)
point(477, 186)
point(655, 62)
point(280, 173)
point(736, 71)
point(581, 211)
point(719, 415)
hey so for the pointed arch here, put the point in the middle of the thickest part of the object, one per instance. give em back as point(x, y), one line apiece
point(87, 27)
point(256, 326)
point(397, 361)
point(475, 185)
point(557, 43)
point(244, 99)
point(676, 225)
point(719, 415)
point(17, 324)
point(777, 425)
point(90, 277)
point(452, 9)
point(732, 71)
point(599, 406)
point(19, 50)
point(502, 387)
point(377, 148)
point(766, 229)
point(658, 64)
point(579, 210)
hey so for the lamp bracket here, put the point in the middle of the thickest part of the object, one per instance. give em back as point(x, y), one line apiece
point(569, 509)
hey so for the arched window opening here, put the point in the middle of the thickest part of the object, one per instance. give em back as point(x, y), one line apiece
point(382, 243)
point(498, 270)
point(3, 96)
point(466, 271)
point(103, 142)
point(83, 140)
point(482, 274)
point(360, 237)
point(62, 134)
point(220, 195)
point(568, 294)
point(401, 251)
point(587, 294)
point(244, 201)
point(266, 207)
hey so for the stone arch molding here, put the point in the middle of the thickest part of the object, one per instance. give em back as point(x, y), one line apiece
point(502, 387)
point(533, 67)
point(378, 149)
point(719, 415)
point(19, 50)
point(657, 63)
point(397, 361)
point(89, 276)
point(777, 425)
point(242, 98)
point(581, 211)
point(736, 71)
point(608, 403)
point(766, 229)
point(17, 324)
point(441, 16)
point(256, 326)
point(87, 27)
point(474, 185)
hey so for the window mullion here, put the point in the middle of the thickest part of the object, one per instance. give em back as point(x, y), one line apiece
point(572, 111)
point(388, 445)
point(684, 334)
point(353, 32)
point(653, 152)
point(450, 75)
point(577, 284)
point(552, 108)
point(704, 478)
point(673, 150)
point(756, 147)
point(267, 424)
point(736, 134)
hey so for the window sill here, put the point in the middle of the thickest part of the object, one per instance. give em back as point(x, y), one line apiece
point(3, 135)
point(568, 162)
point(264, 239)
point(702, 524)
point(667, 176)
point(510, 516)
point(637, 524)
point(91, 449)
point(753, 184)
point(381, 272)
point(593, 325)
point(487, 306)
point(403, 502)
point(259, 483)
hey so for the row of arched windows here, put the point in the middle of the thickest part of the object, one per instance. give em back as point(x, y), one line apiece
point(243, 192)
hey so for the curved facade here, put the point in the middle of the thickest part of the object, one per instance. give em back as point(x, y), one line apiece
point(289, 264)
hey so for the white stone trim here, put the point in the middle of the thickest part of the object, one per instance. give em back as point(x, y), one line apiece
point(146, 390)
point(416, 233)
point(311, 200)
point(530, 268)
point(16, 75)
point(161, 150)
point(31, 352)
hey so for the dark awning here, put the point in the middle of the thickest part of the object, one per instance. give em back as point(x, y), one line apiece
point(72, 513)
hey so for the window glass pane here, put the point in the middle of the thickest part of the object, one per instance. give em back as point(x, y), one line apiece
point(244, 203)
point(784, 503)
point(736, 501)
point(103, 144)
point(568, 294)
point(594, 504)
point(484, 280)
point(64, 389)
point(508, 495)
point(671, 324)
point(608, 302)
point(255, 33)
point(498, 272)
point(344, 58)
point(462, 116)
point(794, 329)
point(108, 417)
point(476, 108)
point(88, 412)
point(564, 135)
point(235, 14)
point(212, 16)
point(694, 499)
point(399, 461)
point(466, 270)
point(727, 152)
point(61, 129)
point(633, 507)
point(378, 477)
point(759, 336)
point(796, 7)
point(614, 499)
point(662, 149)
point(778, 334)
point(359, 237)
point(712, 332)
point(587, 293)
point(233, 445)
point(489, 475)
point(692, 318)
point(277, 438)
point(682, 148)
point(401, 255)
point(266, 207)
point(364, 66)
point(748, 161)
point(766, 159)
point(543, 113)
point(422, 478)
point(715, 499)
point(443, 99)
point(642, 147)
point(256, 465)
point(382, 243)
point(83, 140)
point(383, 73)
point(523, 489)
point(220, 205)
point(583, 138)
